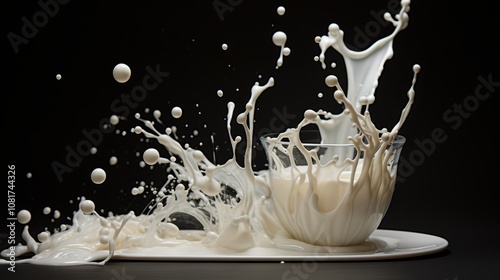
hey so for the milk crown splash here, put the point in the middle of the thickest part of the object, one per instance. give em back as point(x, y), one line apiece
point(229, 200)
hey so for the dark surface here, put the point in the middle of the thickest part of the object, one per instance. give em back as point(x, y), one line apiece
point(451, 191)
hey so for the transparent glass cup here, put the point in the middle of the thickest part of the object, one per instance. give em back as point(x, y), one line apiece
point(330, 194)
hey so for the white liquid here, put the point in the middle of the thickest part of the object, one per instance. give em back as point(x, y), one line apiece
point(249, 219)
point(122, 73)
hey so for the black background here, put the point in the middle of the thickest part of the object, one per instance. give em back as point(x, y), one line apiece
point(451, 191)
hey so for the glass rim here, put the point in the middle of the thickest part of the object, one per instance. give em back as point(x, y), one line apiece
point(398, 141)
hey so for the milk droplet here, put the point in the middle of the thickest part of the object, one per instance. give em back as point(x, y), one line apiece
point(279, 38)
point(93, 150)
point(104, 240)
point(58, 76)
point(333, 65)
point(114, 120)
point(317, 39)
point(320, 95)
point(98, 176)
point(121, 72)
point(371, 99)
point(87, 206)
point(310, 114)
point(57, 214)
point(224, 46)
point(331, 81)
point(176, 112)
point(286, 51)
point(281, 10)
point(171, 229)
point(220, 93)
point(134, 191)
point(416, 68)
point(151, 156)
point(29, 175)
point(113, 160)
point(43, 236)
point(157, 114)
point(46, 210)
point(24, 216)
point(363, 100)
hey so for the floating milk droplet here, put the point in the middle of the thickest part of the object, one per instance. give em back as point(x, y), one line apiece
point(220, 93)
point(93, 150)
point(57, 214)
point(176, 112)
point(224, 46)
point(279, 38)
point(281, 10)
point(331, 81)
point(320, 95)
point(29, 175)
point(151, 156)
point(286, 51)
point(333, 65)
point(58, 76)
point(87, 206)
point(121, 73)
point(317, 39)
point(416, 68)
point(138, 130)
point(24, 216)
point(114, 120)
point(134, 191)
point(113, 160)
point(46, 210)
point(316, 58)
point(157, 114)
point(98, 176)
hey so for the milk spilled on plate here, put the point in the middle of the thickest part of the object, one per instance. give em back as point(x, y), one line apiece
point(232, 202)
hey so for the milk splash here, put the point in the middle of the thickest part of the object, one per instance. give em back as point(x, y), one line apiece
point(232, 202)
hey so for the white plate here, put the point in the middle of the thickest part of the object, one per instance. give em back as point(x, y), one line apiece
point(390, 244)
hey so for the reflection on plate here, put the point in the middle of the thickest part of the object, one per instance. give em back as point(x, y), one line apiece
point(390, 244)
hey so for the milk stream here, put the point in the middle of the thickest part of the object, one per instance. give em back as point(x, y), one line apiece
point(243, 210)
